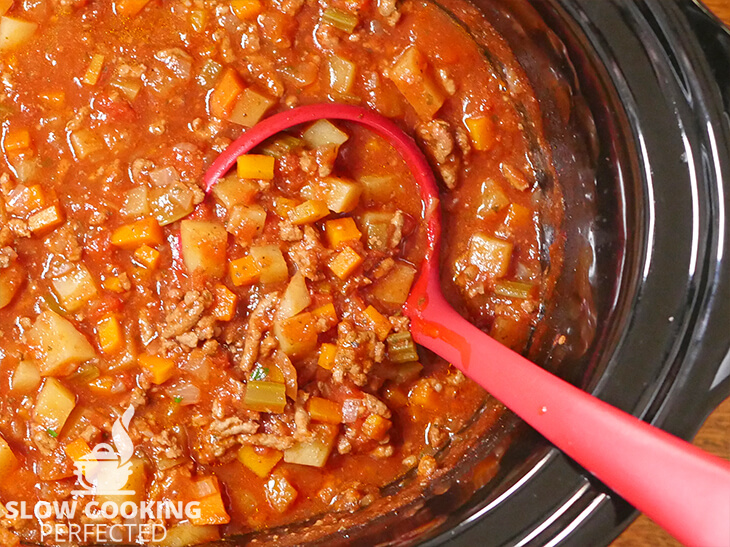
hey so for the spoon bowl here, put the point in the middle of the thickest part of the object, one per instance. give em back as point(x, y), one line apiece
point(681, 488)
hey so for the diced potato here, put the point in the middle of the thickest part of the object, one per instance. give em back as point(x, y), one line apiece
point(59, 347)
point(296, 297)
point(136, 203)
point(394, 288)
point(250, 108)
point(260, 460)
point(342, 74)
point(246, 222)
point(142, 232)
point(14, 32)
point(265, 397)
point(136, 484)
point(171, 203)
point(308, 212)
point(54, 405)
point(381, 188)
point(46, 220)
point(11, 279)
point(8, 462)
point(75, 288)
point(316, 452)
point(343, 195)
point(279, 492)
point(232, 191)
point(324, 133)
point(412, 78)
point(187, 534)
point(491, 200)
point(491, 255)
point(271, 263)
point(204, 246)
point(85, 143)
point(376, 225)
point(297, 336)
point(26, 377)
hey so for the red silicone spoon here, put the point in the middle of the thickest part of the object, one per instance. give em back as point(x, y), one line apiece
point(681, 488)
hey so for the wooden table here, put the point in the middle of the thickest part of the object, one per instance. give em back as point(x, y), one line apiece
point(715, 434)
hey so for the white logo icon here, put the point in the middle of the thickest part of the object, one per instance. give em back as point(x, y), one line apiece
point(105, 471)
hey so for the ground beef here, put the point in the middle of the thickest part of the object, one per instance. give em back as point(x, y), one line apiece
point(66, 241)
point(309, 254)
point(259, 322)
point(186, 322)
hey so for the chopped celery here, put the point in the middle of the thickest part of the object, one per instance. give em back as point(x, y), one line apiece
point(209, 73)
point(340, 19)
point(280, 146)
point(265, 397)
point(402, 348)
point(514, 289)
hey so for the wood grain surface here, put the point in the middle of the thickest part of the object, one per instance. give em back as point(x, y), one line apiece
point(715, 434)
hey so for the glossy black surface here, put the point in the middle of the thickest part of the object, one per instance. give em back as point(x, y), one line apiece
point(656, 74)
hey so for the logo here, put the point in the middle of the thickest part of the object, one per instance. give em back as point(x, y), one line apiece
point(105, 471)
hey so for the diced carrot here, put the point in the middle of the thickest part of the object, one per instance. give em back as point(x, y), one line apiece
point(77, 449)
point(143, 232)
point(246, 10)
point(225, 94)
point(283, 205)
point(517, 217)
point(481, 132)
point(46, 220)
point(326, 315)
point(55, 99)
point(341, 230)
point(345, 263)
point(94, 71)
point(260, 460)
point(198, 19)
point(147, 256)
point(160, 368)
point(111, 337)
point(309, 212)
point(113, 284)
point(327, 354)
point(226, 301)
point(379, 323)
point(255, 166)
point(130, 8)
point(103, 385)
point(324, 410)
point(424, 395)
point(244, 271)
point(395, 396)
point(212, 511)
point(17, 140)
point(376, 427)
point(279, 492)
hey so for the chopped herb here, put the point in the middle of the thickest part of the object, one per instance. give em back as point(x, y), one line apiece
point(52, 433)
point(259, 374)
point(178, 399)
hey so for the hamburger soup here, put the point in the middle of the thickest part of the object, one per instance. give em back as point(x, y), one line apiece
point(178, 368)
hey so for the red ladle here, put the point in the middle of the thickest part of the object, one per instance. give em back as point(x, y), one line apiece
point(683, 489)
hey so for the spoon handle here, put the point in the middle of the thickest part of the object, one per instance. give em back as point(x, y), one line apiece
point(683, 489)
